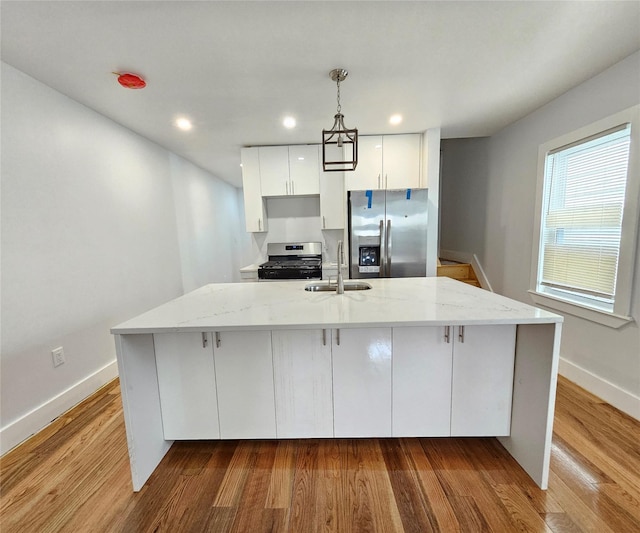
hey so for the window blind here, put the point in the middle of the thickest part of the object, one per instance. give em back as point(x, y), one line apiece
point(585, 186)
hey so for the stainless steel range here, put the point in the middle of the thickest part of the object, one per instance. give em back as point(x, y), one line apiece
point(292, 260)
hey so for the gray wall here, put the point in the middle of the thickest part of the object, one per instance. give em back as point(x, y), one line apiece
point(463, 194)
point(498, 225)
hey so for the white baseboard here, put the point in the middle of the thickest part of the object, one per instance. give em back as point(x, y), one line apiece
point(610, 393)
point(34, 421)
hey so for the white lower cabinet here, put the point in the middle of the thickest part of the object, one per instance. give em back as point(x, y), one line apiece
point(362, 382)
point(422, 363)
point(482, 384)
point(303, 383)
point(244, 371)
point(357, 382)
point(187, 385)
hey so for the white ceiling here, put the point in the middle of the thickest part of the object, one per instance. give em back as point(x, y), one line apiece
point(237, 68)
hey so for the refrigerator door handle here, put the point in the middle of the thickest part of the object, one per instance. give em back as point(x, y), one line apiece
point(383, 252)
point(388, 248)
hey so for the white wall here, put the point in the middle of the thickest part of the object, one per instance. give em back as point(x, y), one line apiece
point(431, 146)
point(210, 226)
point(89, 238)
point(605, 360)
point(290, 220)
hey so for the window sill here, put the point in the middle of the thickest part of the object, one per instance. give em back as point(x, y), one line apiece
point(610, 320)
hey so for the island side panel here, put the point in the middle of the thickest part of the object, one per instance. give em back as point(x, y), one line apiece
point(534, 394)
point(141, 405)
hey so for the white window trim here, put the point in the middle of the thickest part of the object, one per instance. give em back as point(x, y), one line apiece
point(622, 306)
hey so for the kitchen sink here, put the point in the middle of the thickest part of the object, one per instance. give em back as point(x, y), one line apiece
point(348, 286)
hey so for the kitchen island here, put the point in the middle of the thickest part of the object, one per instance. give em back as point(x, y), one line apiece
point(410, 357)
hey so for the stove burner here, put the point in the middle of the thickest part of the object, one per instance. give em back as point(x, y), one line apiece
point(292, 261)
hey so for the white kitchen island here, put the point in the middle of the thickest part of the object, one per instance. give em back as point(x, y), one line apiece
point(411, 357)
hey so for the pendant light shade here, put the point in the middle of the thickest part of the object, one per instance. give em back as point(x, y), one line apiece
point(339, 144)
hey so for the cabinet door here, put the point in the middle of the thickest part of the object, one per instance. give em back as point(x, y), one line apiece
point(274, 170)
point(362, 382)
point(483, 359)
point(422, 360)
point(304, 170)
point(401, 161)
point(368, 172)
point(187, 385)
point(244, 371)
point(254, 210)
point(332, 200)
point(302, 376)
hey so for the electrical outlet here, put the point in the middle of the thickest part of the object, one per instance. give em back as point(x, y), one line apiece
point(58, 356)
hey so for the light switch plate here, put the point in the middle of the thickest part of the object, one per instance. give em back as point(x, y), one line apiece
point(58, 356)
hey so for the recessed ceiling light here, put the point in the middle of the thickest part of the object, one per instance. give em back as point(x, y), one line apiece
point(289, 122)
point(395, 119)
point(184, 124)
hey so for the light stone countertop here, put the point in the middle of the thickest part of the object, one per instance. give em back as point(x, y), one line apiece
point(392, 302)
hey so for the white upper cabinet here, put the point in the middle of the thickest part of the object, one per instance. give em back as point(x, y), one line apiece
point(274, 170)
point(387, 162)
point(304, 169)
point(401, 161)
point(255, 212)
point(289, 170)
point(368, 172)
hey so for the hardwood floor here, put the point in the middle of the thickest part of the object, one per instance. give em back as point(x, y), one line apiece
point(74, 476)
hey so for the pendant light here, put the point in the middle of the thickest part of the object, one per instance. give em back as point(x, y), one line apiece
point(339, 144)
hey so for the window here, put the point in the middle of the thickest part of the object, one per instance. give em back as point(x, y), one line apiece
point(588, 206)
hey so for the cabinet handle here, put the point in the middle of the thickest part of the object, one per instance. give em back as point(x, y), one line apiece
point(218, 341)
point(447, 334)
point(286, 187)
point(324, 337)
point(292, 184)
point(324, 222)
point(259, 224)
point(379, 184)
point(205, 340)
point(338, 337)
point(461, 333)
point(386, 181)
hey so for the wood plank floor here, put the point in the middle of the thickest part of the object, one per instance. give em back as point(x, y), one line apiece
point(74, 477)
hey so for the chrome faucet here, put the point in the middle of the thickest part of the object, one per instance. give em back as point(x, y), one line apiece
point(340, 285)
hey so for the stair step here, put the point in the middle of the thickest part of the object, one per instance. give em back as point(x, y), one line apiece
point(459, 271)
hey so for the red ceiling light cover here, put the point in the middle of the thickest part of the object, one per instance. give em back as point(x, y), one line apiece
point(131, 81)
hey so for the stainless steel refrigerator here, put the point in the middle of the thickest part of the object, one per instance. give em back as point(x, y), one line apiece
point(388, 233)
